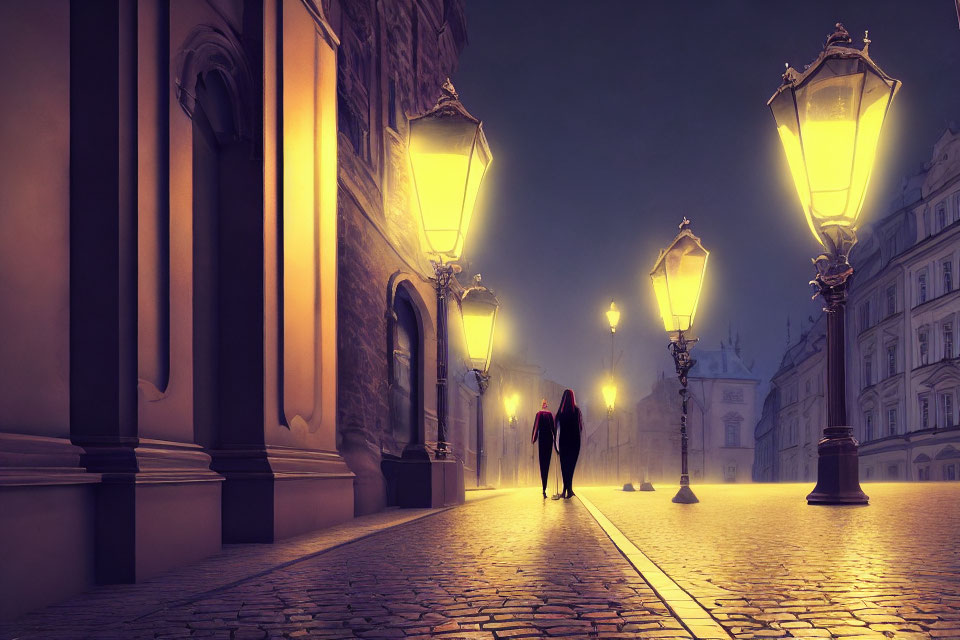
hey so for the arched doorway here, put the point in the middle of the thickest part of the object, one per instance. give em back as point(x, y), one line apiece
point(407, 364)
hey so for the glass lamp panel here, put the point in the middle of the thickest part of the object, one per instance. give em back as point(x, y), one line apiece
point(441, 148)
point(659, 279)
point(610, 395)
point(479, 161)
point(479, 322)
point(784, 109)
point(613, 316)
point(828, 109)
point(510, 404)
point(877, 94)
point(685, 263)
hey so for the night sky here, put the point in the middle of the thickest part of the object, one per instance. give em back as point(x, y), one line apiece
point(610, 121)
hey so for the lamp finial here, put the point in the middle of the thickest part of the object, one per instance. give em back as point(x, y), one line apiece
point(448, 92)
point(685, 224)
point(866, 42)
point(839, 37)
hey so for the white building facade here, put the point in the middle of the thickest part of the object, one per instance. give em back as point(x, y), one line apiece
point(903, 376)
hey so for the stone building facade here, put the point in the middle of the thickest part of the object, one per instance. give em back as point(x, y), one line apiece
point(722, 414)
point(903, 377)
point(393, 59)
point(206, 200)
point(800, 406)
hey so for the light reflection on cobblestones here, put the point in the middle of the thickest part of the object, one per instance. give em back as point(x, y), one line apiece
point(768, 565)
point(508, 567)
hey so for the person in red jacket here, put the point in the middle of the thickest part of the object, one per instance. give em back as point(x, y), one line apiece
point(569, 424)
point(544, 429)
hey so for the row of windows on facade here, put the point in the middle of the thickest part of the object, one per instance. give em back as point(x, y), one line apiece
point(941, 416)
point(791, 432)
point(791, 395)
point(948, 472)
point(923, 350)
point(923, 293)
point(946, 212)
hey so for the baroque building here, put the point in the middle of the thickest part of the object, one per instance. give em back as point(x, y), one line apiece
point(217, 324)
point(797, 405)
point(903, 378)
point(721, 414)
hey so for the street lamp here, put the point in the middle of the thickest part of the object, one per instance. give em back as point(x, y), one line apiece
point(510, 405)
point(829, 119)
point(478, 308)
point(609, 391)
point(677, 280)
point(448, 157)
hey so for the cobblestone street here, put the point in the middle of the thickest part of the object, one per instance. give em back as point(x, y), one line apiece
point(757, 558)
point(503, 567)
point(767, 565)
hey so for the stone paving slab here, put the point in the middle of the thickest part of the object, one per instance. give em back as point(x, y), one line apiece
point(767, 565)
point(513, 566)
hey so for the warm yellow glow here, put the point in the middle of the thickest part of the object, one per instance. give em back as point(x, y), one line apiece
point(613, 316)
point(510, 404)
point(829, 126)
point(478, 330)
point(478, 308)
point(677, 281)
point(448, 157)
point(610, 395)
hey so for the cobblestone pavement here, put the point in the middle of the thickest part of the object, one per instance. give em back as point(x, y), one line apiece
point(767, 565)
point(506, 567)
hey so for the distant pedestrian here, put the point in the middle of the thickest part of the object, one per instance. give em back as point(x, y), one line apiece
point(544, 429)
point(569, 426)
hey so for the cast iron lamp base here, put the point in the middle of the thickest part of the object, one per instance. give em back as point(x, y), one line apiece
point(838, 472)
point(646, 486)
point(685, 496)
point(628, 487)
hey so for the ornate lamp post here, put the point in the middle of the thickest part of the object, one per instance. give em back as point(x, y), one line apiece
point(677, 280)
point(478, 308)
point(448, 157)
point(609, 391)
point(510, 405)
point(829, 119)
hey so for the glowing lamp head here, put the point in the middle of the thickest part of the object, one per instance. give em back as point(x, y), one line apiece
point(829, 119)
point(478, 308)
point(678, 278)
point(448, 156)
point(610, 395)
point(613, 316)
point(510, 405)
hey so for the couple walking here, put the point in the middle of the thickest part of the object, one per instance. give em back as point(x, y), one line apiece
point(563, 434)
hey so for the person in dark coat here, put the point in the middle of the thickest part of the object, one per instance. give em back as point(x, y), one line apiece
point(569, 423)
point(544, 429)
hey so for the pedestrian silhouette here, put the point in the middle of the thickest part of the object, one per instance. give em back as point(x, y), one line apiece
point(544, 429)
point(569, 424)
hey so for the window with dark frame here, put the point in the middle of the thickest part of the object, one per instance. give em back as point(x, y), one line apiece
point(922, 287)
point(923, 336)
point(947, 277)
point(947, 340)
point(891, 300)
point(892, 360)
